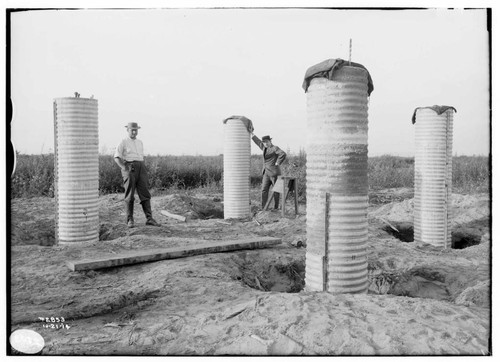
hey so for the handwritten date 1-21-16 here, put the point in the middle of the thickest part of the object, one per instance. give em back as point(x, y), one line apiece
point(56, 326)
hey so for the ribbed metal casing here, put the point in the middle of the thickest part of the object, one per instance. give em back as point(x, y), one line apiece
point(337, 164)
point(433, 166)
point(236, 169)
point(76, 169)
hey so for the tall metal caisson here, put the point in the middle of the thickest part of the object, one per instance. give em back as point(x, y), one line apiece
point(433, 166)
point(237, 167)
point(76, 168)
point(337, 176)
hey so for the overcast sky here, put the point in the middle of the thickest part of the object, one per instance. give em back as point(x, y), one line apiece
point(180, 72)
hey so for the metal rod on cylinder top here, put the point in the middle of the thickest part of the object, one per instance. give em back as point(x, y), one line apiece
point(350, 50)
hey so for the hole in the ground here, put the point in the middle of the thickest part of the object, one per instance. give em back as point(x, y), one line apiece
point(39, 232)
point(460, 239)
point(429, 281)
point(285, 278)
point(419, 282)
point(403, 231)
point(105, 231)
point(210, 213)
point(463, 239)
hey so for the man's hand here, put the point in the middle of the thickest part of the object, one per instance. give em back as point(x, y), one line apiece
point(123, 165)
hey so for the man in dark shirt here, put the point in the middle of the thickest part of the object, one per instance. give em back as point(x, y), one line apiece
point(273, 158)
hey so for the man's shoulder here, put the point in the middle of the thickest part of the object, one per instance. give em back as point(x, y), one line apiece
point(128, 139)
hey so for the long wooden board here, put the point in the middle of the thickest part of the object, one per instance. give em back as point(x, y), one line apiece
point(170, 253)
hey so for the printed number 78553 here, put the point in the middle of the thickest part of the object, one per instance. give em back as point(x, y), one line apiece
point(52, 319)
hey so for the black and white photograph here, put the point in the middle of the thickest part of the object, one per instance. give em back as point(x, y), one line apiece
point(236, 178)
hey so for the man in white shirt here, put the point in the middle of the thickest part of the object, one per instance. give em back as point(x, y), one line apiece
point(129, 155)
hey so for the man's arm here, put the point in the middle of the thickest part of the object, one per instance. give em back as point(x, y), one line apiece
point(120, 163)
point(119, 156)
point(281, 156)
point(257, 141)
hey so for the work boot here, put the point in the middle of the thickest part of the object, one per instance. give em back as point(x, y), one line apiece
point(146, 207)
point(152, 222)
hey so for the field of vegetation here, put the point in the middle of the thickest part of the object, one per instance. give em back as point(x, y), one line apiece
point(34, 174)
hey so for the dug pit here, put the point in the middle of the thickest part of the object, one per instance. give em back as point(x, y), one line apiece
point(418, 282)
point(265, 273)
point(461, 238)
point(268, 274)
point(401, 231)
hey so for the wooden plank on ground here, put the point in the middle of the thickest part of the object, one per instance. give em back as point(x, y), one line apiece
point(173, 216)
point(170, 253)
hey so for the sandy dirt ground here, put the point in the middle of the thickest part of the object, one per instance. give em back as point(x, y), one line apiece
point(421, 301)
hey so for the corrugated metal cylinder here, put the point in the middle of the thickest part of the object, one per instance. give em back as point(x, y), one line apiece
point(236, 169)
point(433, 165)
point(76, 170)
point(337, 182)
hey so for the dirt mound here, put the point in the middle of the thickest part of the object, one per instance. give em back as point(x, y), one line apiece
point(477, 295)
point(399, 212)
point(464, 209)
point(272, 223)
point(468, 208)
point(191, 207)
point(268, 216)
point(386, 196)
point(422, 299)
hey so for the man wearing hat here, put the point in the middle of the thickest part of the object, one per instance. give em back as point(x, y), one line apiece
point(273, 158)
point(129, 155)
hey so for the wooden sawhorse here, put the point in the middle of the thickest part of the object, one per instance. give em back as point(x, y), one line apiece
point(283, 186)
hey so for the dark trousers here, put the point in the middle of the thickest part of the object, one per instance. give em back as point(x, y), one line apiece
point(135, 177)
point(267, 182)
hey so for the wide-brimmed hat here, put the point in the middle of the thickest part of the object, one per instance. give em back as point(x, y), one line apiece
point(266, 138)
point(132, 125)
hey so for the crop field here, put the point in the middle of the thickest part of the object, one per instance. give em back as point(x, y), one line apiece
point(34, 174)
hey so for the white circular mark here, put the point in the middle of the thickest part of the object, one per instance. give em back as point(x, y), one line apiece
point(26, 341)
